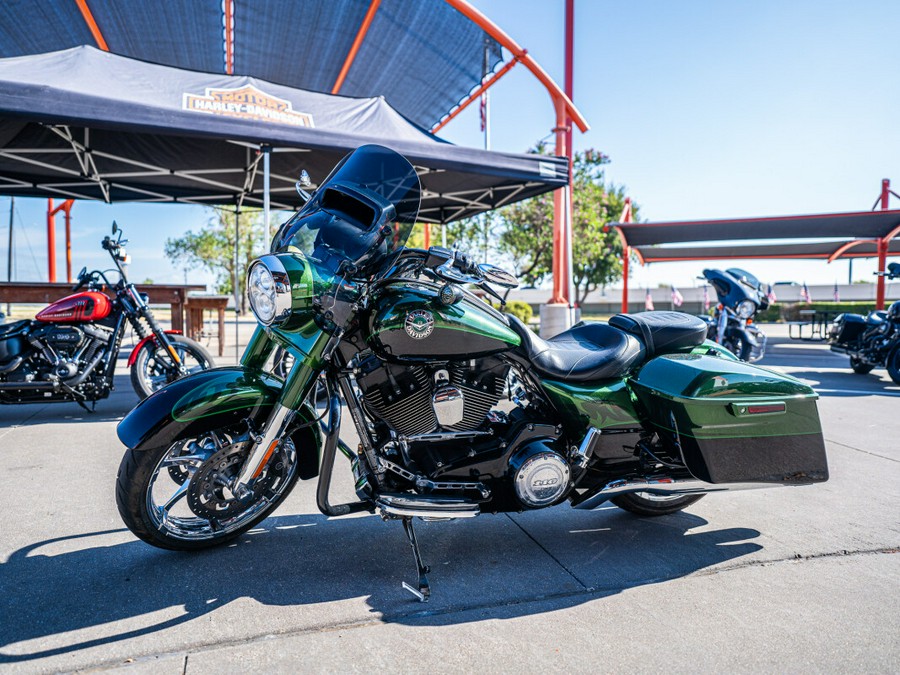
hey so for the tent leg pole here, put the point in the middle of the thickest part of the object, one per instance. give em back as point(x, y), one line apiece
point(626, 257)
point(237, 292)
point(267, 153)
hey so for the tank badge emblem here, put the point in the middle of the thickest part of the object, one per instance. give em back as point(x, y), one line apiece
point(419, 324)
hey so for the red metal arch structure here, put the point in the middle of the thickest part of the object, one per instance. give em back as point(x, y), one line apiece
point(868, 234)
point(566, 114)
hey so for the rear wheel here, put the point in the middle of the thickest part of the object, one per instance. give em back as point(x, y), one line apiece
point(647, 504)
point(860, 367)
point(152, 369)
point(180, 497)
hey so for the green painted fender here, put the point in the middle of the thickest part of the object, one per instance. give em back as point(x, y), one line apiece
point(216, 399)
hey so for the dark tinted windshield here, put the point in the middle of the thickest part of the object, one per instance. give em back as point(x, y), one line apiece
point(370, 191)
point(744, 274)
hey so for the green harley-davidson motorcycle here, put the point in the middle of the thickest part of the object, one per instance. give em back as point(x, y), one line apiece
point(460, 409)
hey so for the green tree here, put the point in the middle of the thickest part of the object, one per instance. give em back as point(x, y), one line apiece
point(212, 248)
point(526, 238)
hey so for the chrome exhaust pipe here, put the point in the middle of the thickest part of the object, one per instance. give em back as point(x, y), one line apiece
point(421, 506)
point(658, 485)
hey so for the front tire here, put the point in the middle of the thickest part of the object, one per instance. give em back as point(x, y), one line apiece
point(152, 369)
point(738, 346)
point(178, 497)
point(860, 367)
point(650, 505)
point(893, 365)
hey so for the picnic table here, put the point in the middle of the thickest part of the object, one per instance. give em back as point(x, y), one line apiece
point(817, 320)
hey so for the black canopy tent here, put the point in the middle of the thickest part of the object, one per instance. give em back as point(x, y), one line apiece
point(86, 124)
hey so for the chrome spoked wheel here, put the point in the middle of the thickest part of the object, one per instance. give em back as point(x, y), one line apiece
point(182, 497)
point(153, 369)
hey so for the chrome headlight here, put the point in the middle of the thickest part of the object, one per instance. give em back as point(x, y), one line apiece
point(269, 290)
point(746, 309)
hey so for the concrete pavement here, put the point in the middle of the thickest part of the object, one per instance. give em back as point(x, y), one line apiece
point(801, 579)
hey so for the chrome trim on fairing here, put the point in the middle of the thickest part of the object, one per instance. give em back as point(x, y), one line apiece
point(408, 506)
point(661, 485)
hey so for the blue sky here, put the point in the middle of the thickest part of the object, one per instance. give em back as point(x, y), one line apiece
point(708, 109)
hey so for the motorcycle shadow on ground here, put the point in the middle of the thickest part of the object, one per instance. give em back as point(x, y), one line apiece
point(73, 593)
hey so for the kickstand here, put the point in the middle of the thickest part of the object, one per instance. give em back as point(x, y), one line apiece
point(424, 591)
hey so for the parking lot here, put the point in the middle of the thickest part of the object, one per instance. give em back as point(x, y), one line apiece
point(789, 579)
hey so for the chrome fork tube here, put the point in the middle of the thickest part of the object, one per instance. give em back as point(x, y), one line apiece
point(263, 447)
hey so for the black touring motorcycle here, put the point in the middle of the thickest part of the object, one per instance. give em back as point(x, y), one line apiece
point(870, 341)
point(740, 297)
point(460, 410)
point(69, 351)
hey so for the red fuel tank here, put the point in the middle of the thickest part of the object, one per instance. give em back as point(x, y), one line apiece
point(81, 307)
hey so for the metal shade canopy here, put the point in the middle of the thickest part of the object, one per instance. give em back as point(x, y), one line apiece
point(862, 225)
point(353, 47)
point(86, 124)
point(855, 248)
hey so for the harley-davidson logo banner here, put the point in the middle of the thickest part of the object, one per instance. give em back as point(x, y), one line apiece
point(246, 103)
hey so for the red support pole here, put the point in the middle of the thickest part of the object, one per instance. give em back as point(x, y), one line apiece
point(570, 207)
point(882, 247)
point(51, 242)
point(67, 209)
point(427, 236)
point(560, 281)
point(626, 259)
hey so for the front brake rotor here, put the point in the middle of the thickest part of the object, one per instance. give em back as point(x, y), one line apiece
point(209, 492)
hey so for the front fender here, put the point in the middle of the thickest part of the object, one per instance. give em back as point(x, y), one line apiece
point(215, 399)
point(140, 345)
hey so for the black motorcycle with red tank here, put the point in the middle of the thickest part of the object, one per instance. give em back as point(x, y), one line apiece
point(68, 352)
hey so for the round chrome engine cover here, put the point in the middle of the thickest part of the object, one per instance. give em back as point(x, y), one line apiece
point(541, 480)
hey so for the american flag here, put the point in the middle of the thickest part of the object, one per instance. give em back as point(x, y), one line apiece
point(483, 110)
point(706, 298)
point(648, 301)
point(677, 298)
point(837, 294)
point(770, 294)
point(804, 293)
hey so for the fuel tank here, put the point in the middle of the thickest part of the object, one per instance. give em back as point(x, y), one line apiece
point(80, 307)
point(410, 322)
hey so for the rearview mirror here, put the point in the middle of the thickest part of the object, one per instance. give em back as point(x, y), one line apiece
point(115, 227)
point(302, 184)
point(496, 275)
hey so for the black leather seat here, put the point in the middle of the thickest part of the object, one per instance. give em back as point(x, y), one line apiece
point(15, 326)
point(584, 353)
point(663, 332)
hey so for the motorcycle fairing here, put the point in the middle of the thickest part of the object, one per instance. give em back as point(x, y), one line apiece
point(733, 422)
point(216, 399)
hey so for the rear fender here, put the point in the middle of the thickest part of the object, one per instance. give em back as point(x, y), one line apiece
point(140, 346)
point(215, 399)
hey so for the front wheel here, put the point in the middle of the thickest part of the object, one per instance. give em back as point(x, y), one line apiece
point(152, 369)
point(860, 367)
point(647, 504)
point(893, 365)
point(738, 346)
point(179, 497)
